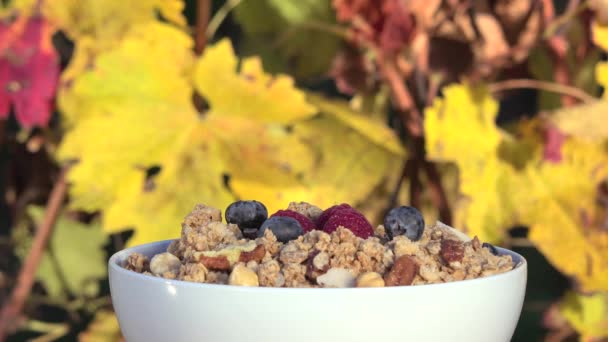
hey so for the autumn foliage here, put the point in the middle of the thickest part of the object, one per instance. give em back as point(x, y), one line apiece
point(423, 107)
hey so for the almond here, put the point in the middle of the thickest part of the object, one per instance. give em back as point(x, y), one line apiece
point(403, 272)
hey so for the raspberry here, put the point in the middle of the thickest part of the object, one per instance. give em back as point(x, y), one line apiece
point(304, 221)
point(351, 219)
point(330, 211)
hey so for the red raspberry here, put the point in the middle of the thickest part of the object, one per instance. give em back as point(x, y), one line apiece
point(304, 221)
point(330, 211)
point(351, 219)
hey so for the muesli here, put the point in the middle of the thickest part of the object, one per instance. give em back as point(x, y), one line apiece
point(304, 246)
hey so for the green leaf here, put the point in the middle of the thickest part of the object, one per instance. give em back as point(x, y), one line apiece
point(292, 34)
point(74, 252)
point(372, 129)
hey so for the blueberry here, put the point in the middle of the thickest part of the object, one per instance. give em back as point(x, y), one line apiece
point(489, 246)
point(283, 227)
point(246, 214)
point(406, 221)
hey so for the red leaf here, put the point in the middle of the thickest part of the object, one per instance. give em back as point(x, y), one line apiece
point(554, 139)
point(29, 71)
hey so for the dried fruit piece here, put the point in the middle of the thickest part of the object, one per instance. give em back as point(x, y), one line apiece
point(330, 211)
point(403, 272)
point(352, 220)
point(452, 250)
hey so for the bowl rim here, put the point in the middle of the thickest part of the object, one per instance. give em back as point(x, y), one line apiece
point(113, 265)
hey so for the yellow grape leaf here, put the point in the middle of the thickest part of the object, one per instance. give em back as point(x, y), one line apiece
point(22, 7)
point(563, 215)
point(601, 75)
point(584, 121)
point(373, 130)
point(172, 10)
point(588, 314)
point(348, 166)
point(460, 128)
point(106, 21)
point(103, 328)
point(147, 119)
point(252, 93)
point(600, 35)
point(193, 175)
point(98, 25)
point(132, 94)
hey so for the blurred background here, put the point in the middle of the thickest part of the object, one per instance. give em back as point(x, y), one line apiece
point(117, 117)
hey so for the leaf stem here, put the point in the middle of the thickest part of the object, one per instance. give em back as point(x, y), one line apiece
point(219, 17)
point(12, 308)
point(542, 85)
point(52, 331)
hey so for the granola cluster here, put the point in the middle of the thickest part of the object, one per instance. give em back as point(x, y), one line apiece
point(210, 251)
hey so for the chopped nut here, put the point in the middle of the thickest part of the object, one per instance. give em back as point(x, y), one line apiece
point(257, 254)
point(318, 263)
point(137, 262)
point(306, 209)
point(321, 261)
point(200, 216)
point(403, 272)
point(243, 276)
point(429, 272)
point(291, 254)
point(193, 272)
point(337, 277)
point(475, 243)
point(370, 279)
point(163, 263)
point(452, 250)
point(216, 263)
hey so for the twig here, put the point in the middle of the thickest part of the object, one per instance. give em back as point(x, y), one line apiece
point(12, 308)
point(574, 9)
point(402, 98)
point(542, 85)
point(415, 184)
point(438, 192)
point(219, 17)
point(203, 11)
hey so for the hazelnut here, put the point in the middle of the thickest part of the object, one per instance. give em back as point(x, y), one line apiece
point(243, 276)
point(164, 262)
point(370, 279)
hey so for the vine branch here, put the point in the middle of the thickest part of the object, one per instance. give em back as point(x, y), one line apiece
point(563, 89)
point(203, 12)
point(13, 307)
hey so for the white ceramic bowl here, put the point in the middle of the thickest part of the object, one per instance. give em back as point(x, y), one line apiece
point(155, 309)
